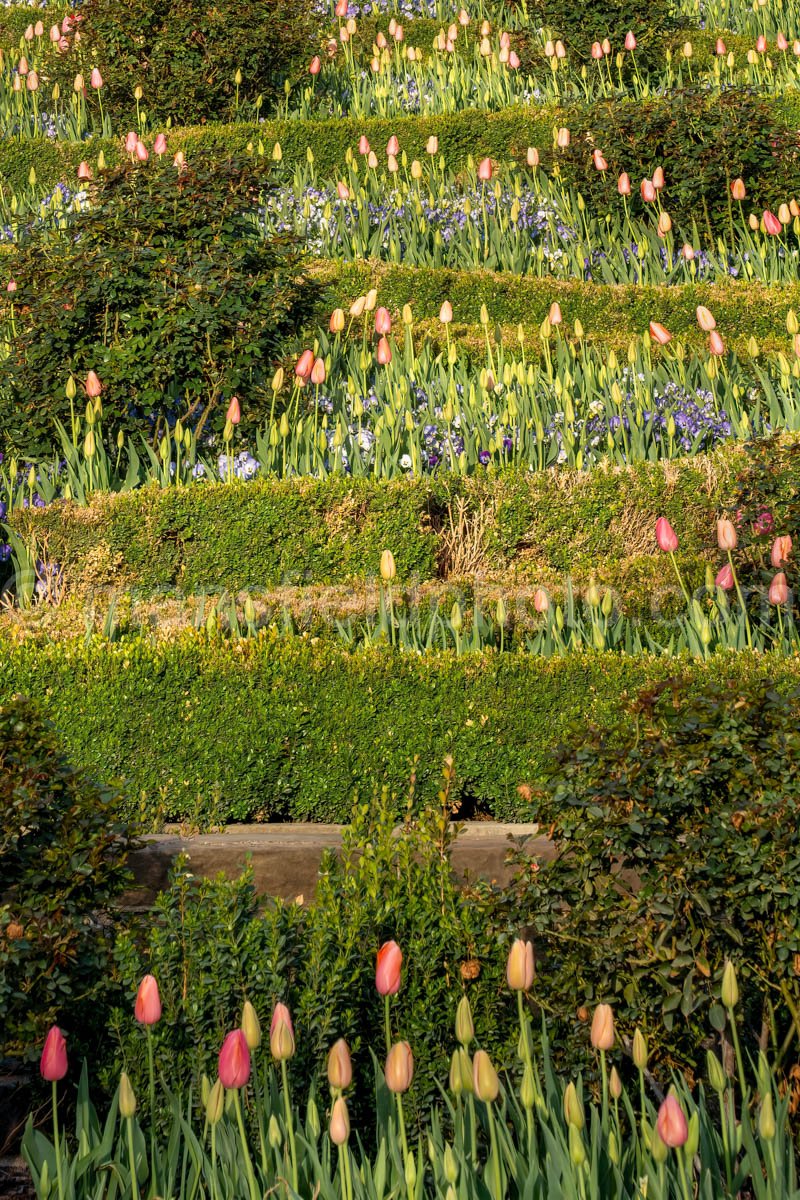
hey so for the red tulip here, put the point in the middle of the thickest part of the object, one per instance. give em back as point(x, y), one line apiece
point(234, 1060)
point(666, 536)
point(671, 1123)
point(387, 970)
point(234, 415)
point(304, 364)
point(53, 1063)
point(659, 333)
point(724, 578)
point(781, 550)
point(778, 589)
point(147, 1008)
point(771, 223)
point(726, 535)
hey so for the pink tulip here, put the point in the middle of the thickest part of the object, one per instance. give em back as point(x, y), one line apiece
point(160, 144)
point(764, 522)
point(363, 145)
point(597, 50)
point(383, 322)
point(387, 969)
point(485, 169)
point(659, 333)
point(781, 42)
point(84, 170)
point(666, 536)
point(606, 47)
point(55, 33)
point(771, 223)
point(705, 319)
point(66, 24)
point(726, 535)
point(563, 138)
point(96, 79)
point(630, 41)
point(778, 589)
point(724, 578)
point(318, 372)
point(541, 601)
point(648, 191)
point(554, 313)
point(234, 415)
point(234, 1060)
point(720, 47)
point(599, 162)
point(671, 1123)
point(624, 184)
point(147, 1008)
point(781, 550)
point(738, 190)
point(383, 352)
point(93, 386)
point(63, 45)
point(432, 145)
point(304, 364)
point(130, 142)
point(341, 8)
point(53, 1063)
point(342, 191)
point(532, 156)
point(315, 66)
point(393, 146)
point(715, 343)
point(513, 60)
point(281, 1034)
point(142, 153)
point(658, 178)
point(11, 286)
point(761, 44)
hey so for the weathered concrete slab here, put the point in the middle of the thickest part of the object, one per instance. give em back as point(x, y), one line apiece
point(286, 858)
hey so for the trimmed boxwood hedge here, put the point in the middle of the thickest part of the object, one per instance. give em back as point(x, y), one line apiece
point(265, 534)
point(289, 728)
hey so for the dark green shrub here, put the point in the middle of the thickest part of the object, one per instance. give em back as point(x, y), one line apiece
point(185, 53)
point(587, 21)
point(62, 863)
point(677, 838)
point(165, 290)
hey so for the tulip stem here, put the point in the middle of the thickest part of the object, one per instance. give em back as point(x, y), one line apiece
point(214, 1162)
point(680, 580)
point(151, 1068)
point(386, 1017)
point(248, 1166)
point(738, 1051)
point(287, 1108)
point(605, 1088)
point(498, 1179)
point(402, 1124)
point(741, 602)
point(56, 1142)
point(132, 1160)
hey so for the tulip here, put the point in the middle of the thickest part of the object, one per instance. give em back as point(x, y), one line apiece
point(96, 79)
point(53, 1063)
point(554, 313)
point(671, 1123)
point(624, 184)
point(771, 223)
point(383, 322)
point(336, 323)
point(597, 50)
point(781, 550)
point(715, 343)
point(630, 40)
point(11, 286)
point(726, 535)
point(658, 178)
point(665, 536)
point(393, 146)
point(602, 1032)
point(127, 1098)
point(647, 190)
point(485, 169)
point(432, 145)
point(399, 1068)
point(687, 251)
point(160, 144)
point(251, 1026)
point(147, 1008)
point(318, 372)
point(234, 1060)
point(341, 8)
point(485, 1082)
point(705, 319)
point(513, 60)
point(600, 163)
point(720, 48)
point(85, 172)
point(142, 153)
point(342, 191)
point(563, 138)
point(573, 1109)
point(465, 1028)
point(383, 352)
point(388, 572)
point(639, 1050)
point(738, 190)
point(390, 956)
point(520, 969)
point(724, 578)
point(234, 413)
point(305, 364)
point(446, 313)
point(664, 223)
point(339, 1128)
point(281, 1034)
point(340, 1066)
point(659, 333)
point(315, 66)
point(392, 165)
point(532, 156)
point(460, 1072)
point(541, 601)
point(363, 145)
point(781, 42)
point(778, 589)
point(130, 142)
point(215, 1104)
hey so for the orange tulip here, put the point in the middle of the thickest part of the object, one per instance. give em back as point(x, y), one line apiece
point(660, 333)
point(387, 969)
point(147, 1008)
point(602, 1033)
point(399, 1067)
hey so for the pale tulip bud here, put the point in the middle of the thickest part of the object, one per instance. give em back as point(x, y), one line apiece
point(485, 1081)
point(602, 1033)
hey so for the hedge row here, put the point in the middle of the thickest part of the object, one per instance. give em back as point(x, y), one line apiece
point(529, 526)
point(688, 134)
point(286, 729)
point(741, 309)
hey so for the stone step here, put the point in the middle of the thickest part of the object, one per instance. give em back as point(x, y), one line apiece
point(286, 858)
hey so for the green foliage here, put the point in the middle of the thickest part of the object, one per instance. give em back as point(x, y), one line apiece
point(62, 863)
point(210, 949)
point(287, 728)
point(587, 21)
point(163, 288)
point(185, 54)
point(676, 832)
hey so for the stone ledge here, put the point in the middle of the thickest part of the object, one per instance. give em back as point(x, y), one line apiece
point(286, 858)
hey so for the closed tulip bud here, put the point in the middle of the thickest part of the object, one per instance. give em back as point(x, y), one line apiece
point(648, 192)
point(304, 365)
point(664, 223)
point(781, 550)
point(336, 324)
point(630, 40)
point(520, 968)
point(485, 169)
point(408, 318)
point(766, 1118)
point(726, 535)
point(318, 372)
point(771, 223)
point(370, 300)
point(383, 352)
point(716, 1075)
point(142, 153)
point(532, 156)
point(671, 1123)
point(383, 322)
point(147, 1008)
point(658, 1149)
point(738, 189)
point(563, 138)
point(446, 313)
point(432, 145)
point(784, 215)
point(92, 386)
point(399, 1068)
point(658, 178)
point(554, 314)
point(693, 1140)
point(160, 144)
point(602, 1032)
point(716, 346)
point(274, 1135)
point(127, 1099)
point(339, 1128)
point(215, 1105)
point(720, 48)
point(315, 66)
point(597, 50)
point(665, 536)
point(281, 1034)
point(541, 601)
point(234, 413)
point(573, 1108)
point(614, 1084)
point(251, 1027)
point(465, 1028)
point(277, 380)
point(659, 333)
point(778, 595)
point(705, 319)
point(53, 1063)
point(96, 79)
point(234, 1060)
point(624, 184)
point(577, 1150)
point(724, 578)
point(752, 221)
point(340, 1067)
point(593, 595)
point(392, 146)
point(356, 309)
point(390, 956)
point(485, 1082)
point(85, 172)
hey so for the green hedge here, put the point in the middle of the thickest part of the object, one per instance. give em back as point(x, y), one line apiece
point(741, 309)
point(265, 534)
point(287, 728)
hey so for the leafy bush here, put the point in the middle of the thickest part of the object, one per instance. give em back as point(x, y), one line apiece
point(164, 289)
point(185, 54)
point(677, 838)
point(587, 21)
point(62, 862)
